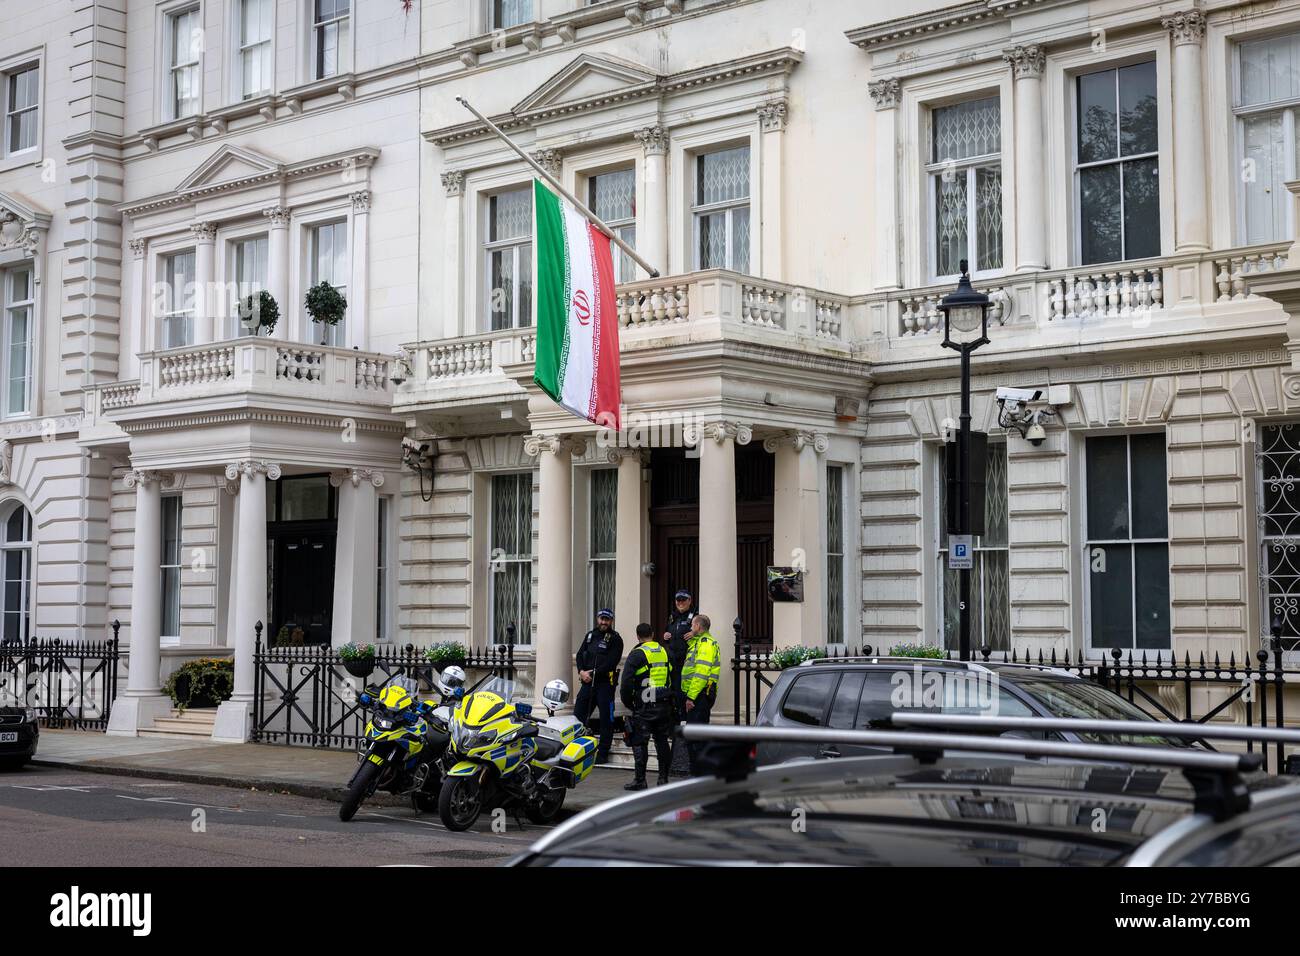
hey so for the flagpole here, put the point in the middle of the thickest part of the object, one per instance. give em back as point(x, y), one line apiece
point(555, 184)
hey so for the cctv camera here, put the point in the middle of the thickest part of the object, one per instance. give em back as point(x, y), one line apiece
point(1035, 434)
point(1017, 395)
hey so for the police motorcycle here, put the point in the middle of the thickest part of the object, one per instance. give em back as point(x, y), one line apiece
point(404, 737)
point(501, 755)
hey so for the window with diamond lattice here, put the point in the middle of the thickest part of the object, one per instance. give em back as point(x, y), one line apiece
point(604, 522)
point(990, 592)
point(1278, 467)
point(835, 554)
point(612, 197)
point(965, 171)
point(721, 209)
point(511, 557)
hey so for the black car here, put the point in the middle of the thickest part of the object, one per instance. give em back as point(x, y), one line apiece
point(946, 800)
point(19, 734)
point(865, 692)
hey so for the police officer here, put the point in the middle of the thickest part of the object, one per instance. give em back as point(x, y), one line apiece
point(597, 661)
point(700, 676)
point(646, 691)
point(674, 642)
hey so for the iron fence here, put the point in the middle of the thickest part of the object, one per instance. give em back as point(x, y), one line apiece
point(71, 684)
point(305, 696)
point(1257, 686)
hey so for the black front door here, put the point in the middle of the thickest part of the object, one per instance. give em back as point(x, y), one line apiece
point(303, 588)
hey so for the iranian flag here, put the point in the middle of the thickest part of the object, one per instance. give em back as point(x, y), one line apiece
point(577, 322)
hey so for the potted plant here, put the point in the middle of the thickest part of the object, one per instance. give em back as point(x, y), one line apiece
point(445, 654)
point(204, 682)
point(258, 311)
point(326, 304)
point(358, 659)
point(793, 656)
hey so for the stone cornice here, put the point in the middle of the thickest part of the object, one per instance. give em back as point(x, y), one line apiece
point(361, 158)
point(908, 29)
point(780, 61)
point(161, 421)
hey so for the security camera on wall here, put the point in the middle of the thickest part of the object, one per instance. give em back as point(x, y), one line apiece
point(1011, 398)
point(1014, 413)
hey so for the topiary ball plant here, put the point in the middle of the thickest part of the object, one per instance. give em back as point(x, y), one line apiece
point(258, 312)
point(204, 682)
point(326, 304)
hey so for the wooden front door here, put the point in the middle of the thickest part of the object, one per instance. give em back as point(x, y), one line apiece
point(675, 536)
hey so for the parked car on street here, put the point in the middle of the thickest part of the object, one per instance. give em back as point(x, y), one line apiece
point(947, 799)
point(19, 735)
point(861, 693)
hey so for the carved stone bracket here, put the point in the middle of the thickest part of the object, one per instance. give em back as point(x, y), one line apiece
point(653, 140)
point(204, 231)
point(145, 476)
point(772, 116)
point(6, 463)
point(884, 93)
point(799, 440)
point(137, 247)
point(549, 159)
point(356, 476)
point(1187, 26)
point(1028, 60)
point(249, 467)
point(453, 182)
point(278, 215)
point(720, 431)
point(361, 201)
point(535, 445)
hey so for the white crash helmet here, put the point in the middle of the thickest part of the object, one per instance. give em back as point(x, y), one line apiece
point(451, 679)
point(556, 692)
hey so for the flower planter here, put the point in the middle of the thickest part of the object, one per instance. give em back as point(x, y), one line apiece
point(361, 667)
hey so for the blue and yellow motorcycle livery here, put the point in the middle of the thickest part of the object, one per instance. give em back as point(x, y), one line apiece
point(404, 737)
point(500, 755)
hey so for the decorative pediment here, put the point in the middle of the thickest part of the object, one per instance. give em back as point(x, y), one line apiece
point(230, 165)
point(586, 80)
point(20, 222)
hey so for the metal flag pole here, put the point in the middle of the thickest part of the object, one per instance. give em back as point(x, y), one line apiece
point(555, 184)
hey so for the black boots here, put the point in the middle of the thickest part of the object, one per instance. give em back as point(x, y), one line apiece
point(637, 784)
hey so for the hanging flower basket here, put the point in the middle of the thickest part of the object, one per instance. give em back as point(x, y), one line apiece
point(258, 312)
point(358, 659)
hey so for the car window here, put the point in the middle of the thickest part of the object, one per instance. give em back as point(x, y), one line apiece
point(805, 703)
point(885, 693)
point(845, 705)
point(875, 705)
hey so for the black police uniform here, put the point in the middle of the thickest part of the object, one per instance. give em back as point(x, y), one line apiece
point(651, 719)
point(600, 654)
point(679, 625)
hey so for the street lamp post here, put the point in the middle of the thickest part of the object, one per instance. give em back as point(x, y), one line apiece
point(965, 328)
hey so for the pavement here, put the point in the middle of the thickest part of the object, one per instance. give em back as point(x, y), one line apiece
point(301, 771)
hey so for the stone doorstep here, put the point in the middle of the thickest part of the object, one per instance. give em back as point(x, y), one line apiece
point(195, 723)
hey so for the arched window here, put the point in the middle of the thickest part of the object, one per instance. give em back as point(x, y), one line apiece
point(16, 567)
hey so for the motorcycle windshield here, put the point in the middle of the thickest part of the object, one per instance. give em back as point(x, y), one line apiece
point(503, 688)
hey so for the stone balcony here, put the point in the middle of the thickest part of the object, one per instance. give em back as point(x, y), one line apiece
point(208, 383)
point(1203, 298)
point(476, 380)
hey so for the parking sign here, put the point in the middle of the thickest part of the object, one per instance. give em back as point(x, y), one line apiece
point(961, 552)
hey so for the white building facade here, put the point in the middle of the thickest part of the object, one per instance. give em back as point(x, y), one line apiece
point(1121, 177)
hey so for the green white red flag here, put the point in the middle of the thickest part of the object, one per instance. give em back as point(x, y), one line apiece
point(577, 360)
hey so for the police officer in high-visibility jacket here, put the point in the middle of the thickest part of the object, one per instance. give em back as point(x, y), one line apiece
point(700, 676)
point(646, 690)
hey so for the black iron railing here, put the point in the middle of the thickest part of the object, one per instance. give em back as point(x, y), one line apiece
point(70, 684)
point(1257, 686)
point(305, 696)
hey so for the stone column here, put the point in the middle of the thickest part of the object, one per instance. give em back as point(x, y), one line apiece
point(248, 479)
point(652, 235)
point(358, 292)
point(718, 576)
point(277, 267)
point(1027, 65)
point(453, 183)
point(356, 556)
point(134, 325)
point(771, 163)
point(797, 539)
point(143, 701)
point(884, 93)
point(555, 636)
point(628, 544)
point(205, 235)
point(1191, 221)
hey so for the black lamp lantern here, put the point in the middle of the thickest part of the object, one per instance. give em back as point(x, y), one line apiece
point(965, 328)
point(965, 315)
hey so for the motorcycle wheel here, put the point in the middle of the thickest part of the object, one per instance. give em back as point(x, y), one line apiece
point(459, 803)
point(360, 788)
point(547, 808)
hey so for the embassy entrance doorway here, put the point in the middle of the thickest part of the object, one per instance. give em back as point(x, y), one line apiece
point(675, 535)
point(301, 532)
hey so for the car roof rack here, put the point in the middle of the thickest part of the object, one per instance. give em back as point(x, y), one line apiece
point(886, 659)
point(1143, 728)
point(1215, 777)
